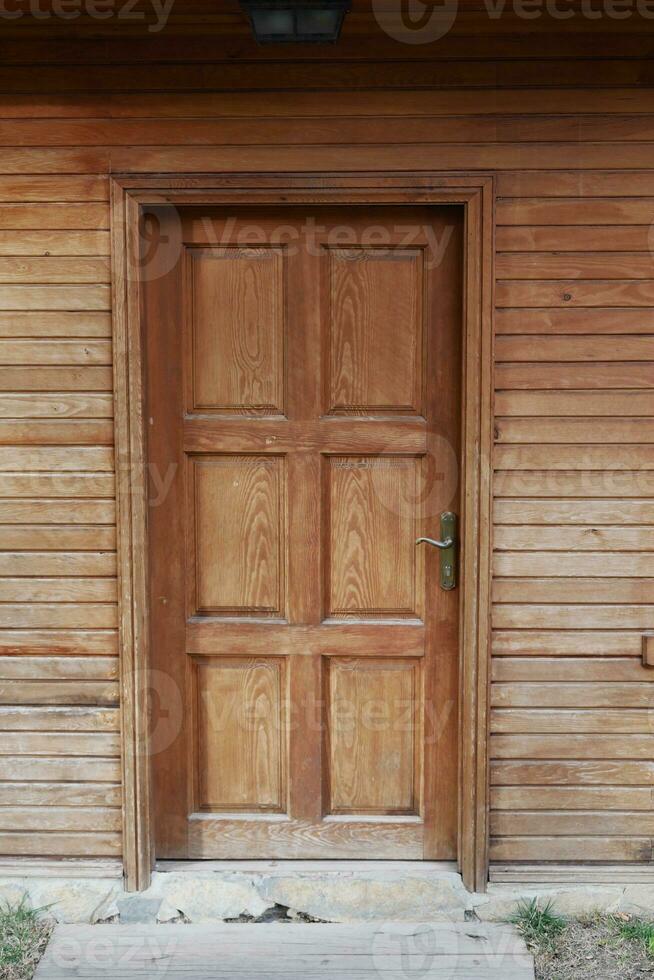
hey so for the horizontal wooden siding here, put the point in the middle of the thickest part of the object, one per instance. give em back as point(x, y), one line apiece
point(571, 740)
point(59, 755)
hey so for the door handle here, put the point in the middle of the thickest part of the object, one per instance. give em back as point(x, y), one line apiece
point(447, 549)
point(447, 543)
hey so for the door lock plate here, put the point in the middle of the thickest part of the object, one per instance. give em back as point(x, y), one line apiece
point(447, 549)
point(448, 555)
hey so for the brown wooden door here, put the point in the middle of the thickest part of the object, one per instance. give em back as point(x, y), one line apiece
point(303, 388)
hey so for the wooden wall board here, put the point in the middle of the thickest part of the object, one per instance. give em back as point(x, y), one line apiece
point(573, 482)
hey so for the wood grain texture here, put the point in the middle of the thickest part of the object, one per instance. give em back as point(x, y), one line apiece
point(575, 773)
point(564, 357)
point(249, 330)
point(559, 512)
point(307, 519)
point(600, 848)
point(374, 567)
point(42, 796)
point(571, 483)
point(238, 503)
point(569, 140)
point(54, 692)
point(279, 838)
point(240, 725)
point(560, 643)
point(372, 368)
point(589, 823)
point(61, 769)
point(61, 843)
point(58, 614)
point(372, 712)
point(563, 798)
point(578, 694)
point(312, 951)
point(631, 721)
point(572, 746)
point(60, 744)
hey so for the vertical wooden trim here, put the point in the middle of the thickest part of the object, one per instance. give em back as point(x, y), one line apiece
point(476, 193)
point(476, 541)
point(486, 533)
point(485, 547)
point(131, 504)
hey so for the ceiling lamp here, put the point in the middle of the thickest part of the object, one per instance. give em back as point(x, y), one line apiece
point(296, 21)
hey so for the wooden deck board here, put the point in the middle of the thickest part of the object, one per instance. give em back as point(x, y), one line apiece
point(312, 951)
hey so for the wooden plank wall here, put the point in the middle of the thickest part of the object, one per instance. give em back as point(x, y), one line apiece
point(572, 744)
point(59, 743)
point(572, 739)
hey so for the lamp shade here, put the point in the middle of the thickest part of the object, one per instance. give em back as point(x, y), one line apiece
point(299, 21)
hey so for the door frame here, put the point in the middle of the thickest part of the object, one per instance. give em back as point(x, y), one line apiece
point(475, 193)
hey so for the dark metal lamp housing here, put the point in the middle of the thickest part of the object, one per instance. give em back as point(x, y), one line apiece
point(298, 21)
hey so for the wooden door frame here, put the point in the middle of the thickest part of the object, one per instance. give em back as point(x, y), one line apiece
point(475, 193)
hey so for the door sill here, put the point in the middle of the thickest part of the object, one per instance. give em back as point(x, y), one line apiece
point(325, 891)
point(305, 867)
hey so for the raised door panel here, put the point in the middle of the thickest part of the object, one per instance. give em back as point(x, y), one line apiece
point(374, 736)
point(238, 513)
point(237, 310)
point(375, 324)
point(374, 568)
point(239, 735)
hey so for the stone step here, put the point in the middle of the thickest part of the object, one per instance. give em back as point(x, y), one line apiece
point(326, 891)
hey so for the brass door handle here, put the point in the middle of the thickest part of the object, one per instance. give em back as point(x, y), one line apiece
point(447, 548)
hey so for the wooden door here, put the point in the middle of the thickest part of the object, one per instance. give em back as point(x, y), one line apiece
point(303, 387)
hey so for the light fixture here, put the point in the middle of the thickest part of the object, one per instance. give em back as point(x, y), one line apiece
point(298, 21)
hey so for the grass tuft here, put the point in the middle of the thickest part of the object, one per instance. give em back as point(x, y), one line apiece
point(24, 935)
point(594, 946)
point(538, 925)
point(639, 931)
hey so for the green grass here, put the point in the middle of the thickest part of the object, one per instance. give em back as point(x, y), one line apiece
point(538, 925)
point(23, 937)
point(639, 931)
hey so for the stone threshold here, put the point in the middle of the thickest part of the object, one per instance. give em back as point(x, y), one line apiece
point(323, 891)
